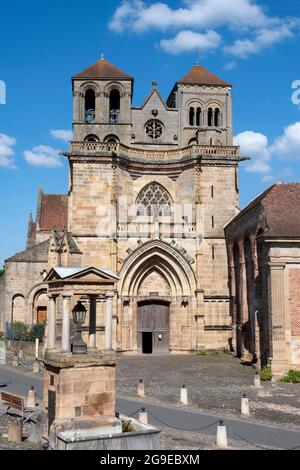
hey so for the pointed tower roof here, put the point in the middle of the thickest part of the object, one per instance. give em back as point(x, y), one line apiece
point(200, 76)
point(102, 69)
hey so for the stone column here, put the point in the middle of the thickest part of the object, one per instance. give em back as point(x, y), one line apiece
point(92, 324)
point(109, 322)
point(65, 344)
point(232, 290)
point(276, 301)
point(51, 341)
point(76, 113)
point(243, 294)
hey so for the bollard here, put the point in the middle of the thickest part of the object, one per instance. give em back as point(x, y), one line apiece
point(21, 354)
point(183, 395)
point(221, 441)
point(31, 398)
point(37, 348)
point(141, 389)
point(245, 409)
point(15, 431)
point(36, 367)
point(257, 381)
point(143, 416)
point(15, 362)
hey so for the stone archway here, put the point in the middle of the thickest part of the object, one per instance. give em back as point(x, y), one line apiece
point(153, 314)
point(156, 295)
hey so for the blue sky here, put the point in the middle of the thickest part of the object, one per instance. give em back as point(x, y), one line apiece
point(254, 45)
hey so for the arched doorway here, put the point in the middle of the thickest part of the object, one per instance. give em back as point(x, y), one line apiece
point(155, 292)
point(153, 327)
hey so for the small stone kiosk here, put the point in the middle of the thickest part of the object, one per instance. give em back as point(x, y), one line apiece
point(79, 380)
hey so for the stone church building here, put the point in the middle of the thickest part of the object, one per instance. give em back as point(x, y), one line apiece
point(150, 190)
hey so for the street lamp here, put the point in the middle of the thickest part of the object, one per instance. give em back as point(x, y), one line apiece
point(79, 315)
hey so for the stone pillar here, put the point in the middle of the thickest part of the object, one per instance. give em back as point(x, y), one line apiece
point(232, 291)
point(51, 340)
point(109, 322)
point(243, 294)
point(276, 301)
point(65, 344)
point(76, 114)
point(92, 324)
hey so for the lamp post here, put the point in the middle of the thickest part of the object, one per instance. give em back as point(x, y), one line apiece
point(79, 315)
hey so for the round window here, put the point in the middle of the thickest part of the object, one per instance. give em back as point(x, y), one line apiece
point(154, 129)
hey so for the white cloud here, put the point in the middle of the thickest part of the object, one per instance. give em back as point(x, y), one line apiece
point(287, 146)
point(230, 66)
point(263, 38)
point(284, 175)
point(44, 156)
point(240, 17)
point(255, 145)
point(6, 151)
point(136, 15)
point(62, 135)
point(189, 40)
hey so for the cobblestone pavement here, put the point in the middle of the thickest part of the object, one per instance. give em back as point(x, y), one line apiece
point(214, 383)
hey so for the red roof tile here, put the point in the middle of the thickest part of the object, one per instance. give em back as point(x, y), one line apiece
point(103, 69)
point(281, 203)
point(54, 212)
point(200, 76)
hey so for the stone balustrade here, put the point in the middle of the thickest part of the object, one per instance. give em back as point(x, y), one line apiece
point(86, 148)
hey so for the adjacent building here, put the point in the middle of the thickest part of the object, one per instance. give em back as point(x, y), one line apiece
point(263, 243)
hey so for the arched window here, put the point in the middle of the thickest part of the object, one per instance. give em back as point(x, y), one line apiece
point(91, 138)
point(198, 117)
point(114, 106)
point(154, 200)
point(217, 117)
point(192, 116)
point(90, 106)
point(210, 117)
point(111, 139)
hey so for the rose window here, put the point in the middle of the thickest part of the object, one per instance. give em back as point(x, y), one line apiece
point(154, 129)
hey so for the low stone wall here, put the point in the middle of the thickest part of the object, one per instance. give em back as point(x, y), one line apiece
point(27, 346)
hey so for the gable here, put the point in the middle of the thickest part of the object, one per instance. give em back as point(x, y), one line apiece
point(81, 274)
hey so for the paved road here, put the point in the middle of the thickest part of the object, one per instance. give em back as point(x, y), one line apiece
point(238, 429)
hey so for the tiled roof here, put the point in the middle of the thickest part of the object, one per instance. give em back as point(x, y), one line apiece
point(282, 208)
point(281, 203)
point(103, 69)
point(53, 212)
point(200, 76)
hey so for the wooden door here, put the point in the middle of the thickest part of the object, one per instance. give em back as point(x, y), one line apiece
point(153, 317)
point(41, 315)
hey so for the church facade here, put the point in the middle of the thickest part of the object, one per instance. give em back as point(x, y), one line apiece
point(150, 191)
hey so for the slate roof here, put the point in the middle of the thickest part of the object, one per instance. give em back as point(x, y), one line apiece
point(67, 272)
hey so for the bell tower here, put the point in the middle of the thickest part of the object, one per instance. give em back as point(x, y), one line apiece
point(102, 104)
point(204, 104)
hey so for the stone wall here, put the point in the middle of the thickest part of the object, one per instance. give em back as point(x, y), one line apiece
point(2, 309)
point(22, 281)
